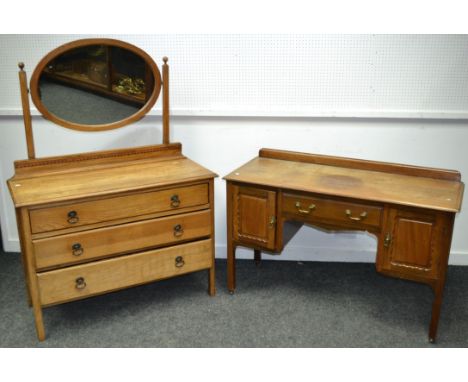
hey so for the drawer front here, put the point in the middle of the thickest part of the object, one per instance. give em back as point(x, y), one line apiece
point(86, 280)
point(87, 245)
point(331, 211)
point(78, 214)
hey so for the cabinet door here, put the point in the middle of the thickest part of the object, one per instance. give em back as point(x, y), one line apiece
point(411, 243)
point(254, 215)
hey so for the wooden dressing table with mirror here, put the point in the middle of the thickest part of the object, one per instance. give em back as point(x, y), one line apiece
point(409, 209)
point(92, 223)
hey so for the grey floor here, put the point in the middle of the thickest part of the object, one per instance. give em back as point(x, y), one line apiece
point(278, 304)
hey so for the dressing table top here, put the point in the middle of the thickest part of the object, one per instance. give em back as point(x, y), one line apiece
point(44, 182)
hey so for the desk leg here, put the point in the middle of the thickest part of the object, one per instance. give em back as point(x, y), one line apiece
point(446, 222)
point(211, 272)
point(438, 289)
point(231, 267)
point(231, 247)
point(257, 256)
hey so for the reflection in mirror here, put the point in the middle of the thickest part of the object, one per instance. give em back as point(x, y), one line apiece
point(95, 84)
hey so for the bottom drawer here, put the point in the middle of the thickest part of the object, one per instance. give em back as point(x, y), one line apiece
point(103, 276)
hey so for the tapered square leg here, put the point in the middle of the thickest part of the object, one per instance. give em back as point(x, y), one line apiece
point(436, 306)
point(231, 268)
point(211, 281)
point(257, 257)
point(39, 322)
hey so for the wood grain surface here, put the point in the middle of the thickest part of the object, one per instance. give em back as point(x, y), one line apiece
point(104, 242)
point(354, 183)
point(104, 181)
point(108, 209)
point(121, 272)
point(331, 211)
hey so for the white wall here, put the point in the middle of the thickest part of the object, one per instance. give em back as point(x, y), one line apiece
point(222, 144)
point(344, 75)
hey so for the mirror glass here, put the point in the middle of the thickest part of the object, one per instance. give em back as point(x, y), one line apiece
point(95, 85)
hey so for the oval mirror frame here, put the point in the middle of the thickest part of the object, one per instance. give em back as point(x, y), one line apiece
point(35, 78)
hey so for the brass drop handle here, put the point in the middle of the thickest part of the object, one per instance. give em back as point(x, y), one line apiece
point(73, 217)
point(362, 216)
point(178, 230)
point(179, 262)
point(272, 221)
point(175, 201)
point(387, 240)
point(80, 283)
point(303, 211)
point(77, 249)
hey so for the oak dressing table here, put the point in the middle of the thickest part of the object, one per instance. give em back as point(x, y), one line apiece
point(97, 222)
point(409, 209)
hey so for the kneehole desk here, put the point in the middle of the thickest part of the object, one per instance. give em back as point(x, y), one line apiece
point(409, 209)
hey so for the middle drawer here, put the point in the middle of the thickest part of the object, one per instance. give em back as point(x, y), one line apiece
point(343, 213)
point(97, 243)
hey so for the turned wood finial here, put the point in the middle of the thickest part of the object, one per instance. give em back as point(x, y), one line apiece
point(165, 59)
point(21, 65)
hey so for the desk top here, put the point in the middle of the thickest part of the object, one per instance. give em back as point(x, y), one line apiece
point(80, 181)
point(333, 176)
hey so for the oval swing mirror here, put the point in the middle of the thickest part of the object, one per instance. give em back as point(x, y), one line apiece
point(95, 84)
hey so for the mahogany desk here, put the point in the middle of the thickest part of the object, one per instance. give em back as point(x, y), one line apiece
point(409, 209)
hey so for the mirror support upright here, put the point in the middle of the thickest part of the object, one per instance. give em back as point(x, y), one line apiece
point(165, 109)
point(26, 111)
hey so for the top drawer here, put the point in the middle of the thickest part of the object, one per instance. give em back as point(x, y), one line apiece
point(78, 214)
point(342, 213)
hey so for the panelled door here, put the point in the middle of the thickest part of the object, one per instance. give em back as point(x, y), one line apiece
point(411, 243)
point(254, 216)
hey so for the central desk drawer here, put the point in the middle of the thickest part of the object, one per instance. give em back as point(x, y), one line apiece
point(353, 215)
point(78, 214)
point(86, 280)
point(87, 245)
